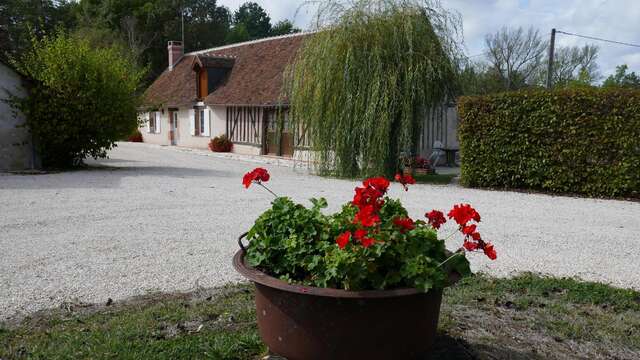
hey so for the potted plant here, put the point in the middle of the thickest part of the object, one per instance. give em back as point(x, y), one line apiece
point(363, 283)
point(221, 144)
point(423, 166)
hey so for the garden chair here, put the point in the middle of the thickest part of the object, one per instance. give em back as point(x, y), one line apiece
point(437, 153)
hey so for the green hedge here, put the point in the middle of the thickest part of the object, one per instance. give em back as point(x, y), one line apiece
point(584, 141)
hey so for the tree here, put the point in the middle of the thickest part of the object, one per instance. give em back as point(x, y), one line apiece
point(284, 27)
point(255, 20)
point(147, 25)
point(360, 87)
point(573, 64)
point(237, 34)
point(516, 56)
point(622, 79)
point(84, 99)
point(20, 18)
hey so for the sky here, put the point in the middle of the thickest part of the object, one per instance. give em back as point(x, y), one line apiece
point(610, 19)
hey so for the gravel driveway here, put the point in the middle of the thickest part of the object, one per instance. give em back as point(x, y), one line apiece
point(157, 219)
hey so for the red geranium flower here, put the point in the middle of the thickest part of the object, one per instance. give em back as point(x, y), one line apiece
point(255, 175)
point(367, 216)
point(343, 239)
point(360, 233)
point(490, 251)
point(468, 229)
point(361, 236)
point(463, 213)
point(367, 241)
point(404, 180)
point(470, 245)
point(379, 183)
point(405, 224)
point(436, 218)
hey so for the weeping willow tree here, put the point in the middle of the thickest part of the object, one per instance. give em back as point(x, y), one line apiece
point(360, 84)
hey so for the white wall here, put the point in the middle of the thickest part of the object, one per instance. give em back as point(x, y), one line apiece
point(218, 126)
point(159, 138)
point(218, 120)
point(16, 149)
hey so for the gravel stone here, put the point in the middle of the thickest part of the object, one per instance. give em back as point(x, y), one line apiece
point(155, 218)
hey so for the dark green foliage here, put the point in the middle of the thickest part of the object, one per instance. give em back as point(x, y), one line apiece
point(622, 79)
point(144, 26)
point(284, 27)
point(298, 244)
point(20, 19)
point(254, 18)
point(83, 99)
point(360, 87)
point(584, 141)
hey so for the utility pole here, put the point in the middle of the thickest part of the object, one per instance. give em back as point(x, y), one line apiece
point(552, 45)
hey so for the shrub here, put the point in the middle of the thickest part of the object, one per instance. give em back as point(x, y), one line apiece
point(220, 144)
point(135, 137)
point(84, 99)
point(583, 141)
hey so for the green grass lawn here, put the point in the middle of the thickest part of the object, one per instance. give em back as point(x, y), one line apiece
point(442, 179)
point(524, 317)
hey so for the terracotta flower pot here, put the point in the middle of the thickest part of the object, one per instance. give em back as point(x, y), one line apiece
point(306, 323)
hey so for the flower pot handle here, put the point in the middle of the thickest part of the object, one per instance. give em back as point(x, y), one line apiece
point(242, 247)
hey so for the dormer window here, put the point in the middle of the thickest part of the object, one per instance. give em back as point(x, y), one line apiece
point(203, 83)
point(211, 72)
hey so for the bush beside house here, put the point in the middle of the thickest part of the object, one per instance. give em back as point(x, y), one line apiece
point(583, 141)
point(84, 99)
point(221, 144)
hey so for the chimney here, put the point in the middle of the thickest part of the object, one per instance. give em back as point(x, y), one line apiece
point(175, 53)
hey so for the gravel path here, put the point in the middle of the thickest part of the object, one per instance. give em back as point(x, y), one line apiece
point(157, 219)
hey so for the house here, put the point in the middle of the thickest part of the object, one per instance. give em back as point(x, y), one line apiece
point(237, 90)
point(234, 90)
point(17, 151)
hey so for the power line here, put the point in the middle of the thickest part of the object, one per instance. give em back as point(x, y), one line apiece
point(598, 39)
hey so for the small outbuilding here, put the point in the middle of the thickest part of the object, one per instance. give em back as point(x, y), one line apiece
point(17, 151)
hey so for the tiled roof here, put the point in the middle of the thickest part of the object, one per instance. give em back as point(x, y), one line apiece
point(255, 79)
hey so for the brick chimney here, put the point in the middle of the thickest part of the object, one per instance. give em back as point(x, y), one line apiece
point(175, 53)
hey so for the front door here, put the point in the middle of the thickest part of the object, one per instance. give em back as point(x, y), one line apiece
point(279, 134)
point(173, 131)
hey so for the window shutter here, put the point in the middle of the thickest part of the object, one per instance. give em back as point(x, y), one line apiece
point(158, 122)
point(207, 124)
point(192, 121)
point(147, 123)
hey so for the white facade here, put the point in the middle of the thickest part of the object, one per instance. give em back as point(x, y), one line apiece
point(16, 145)
point(214, 124)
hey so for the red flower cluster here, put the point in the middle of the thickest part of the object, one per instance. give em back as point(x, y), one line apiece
point(368, 199)
point(404, 180)
point(343, 239)
point(256, 175)
point(360, 235)
point(404, 223)
point(463, 214)
point(435, 218)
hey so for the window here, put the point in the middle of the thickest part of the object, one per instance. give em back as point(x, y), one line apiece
point(202, 124)
point(152, 122)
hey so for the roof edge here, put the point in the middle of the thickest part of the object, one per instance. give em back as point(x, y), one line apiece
point(224, 47)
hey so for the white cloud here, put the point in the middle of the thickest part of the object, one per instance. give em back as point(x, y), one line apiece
point(610, 19)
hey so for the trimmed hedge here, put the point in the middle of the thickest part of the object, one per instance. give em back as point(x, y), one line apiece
point(584, 141)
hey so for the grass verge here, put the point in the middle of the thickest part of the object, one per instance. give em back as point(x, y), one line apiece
point(525, 317)
point(438, 179)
